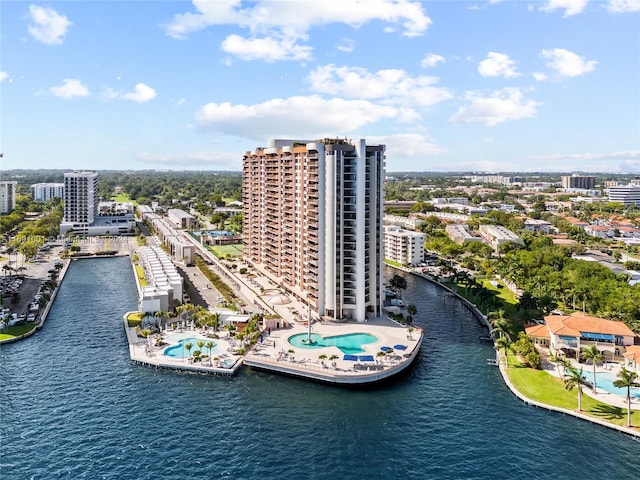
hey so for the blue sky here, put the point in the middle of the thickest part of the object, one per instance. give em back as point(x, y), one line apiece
point(550, 85)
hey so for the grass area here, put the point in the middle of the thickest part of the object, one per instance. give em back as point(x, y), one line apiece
point(392, 263)
point(221, 251)
point(141, 278)
point(123, 197)
point(17, 331)
point(542, 387)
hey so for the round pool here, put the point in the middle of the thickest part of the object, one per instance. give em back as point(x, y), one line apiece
point(347, 343)
point(179, 350)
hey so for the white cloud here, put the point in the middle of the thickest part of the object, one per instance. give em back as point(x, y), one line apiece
point(392, 86)
point(566, 63)
point(622, 6)
point(71, 87)
point(3, 75)
point(297, 117)
point(143, 93)
point(48, 25)
point(266, 49)
point(283, 24)
point(346, 45)
point(501, 106)
point(406, 145)
point(570, 7)
point(540, 77)
point(497, 65)
point(431, 60)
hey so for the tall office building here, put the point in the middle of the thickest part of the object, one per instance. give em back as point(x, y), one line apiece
point(8, 196)
point(80, 198)
point(313, 222)
point(42, 192)
point(579, 181)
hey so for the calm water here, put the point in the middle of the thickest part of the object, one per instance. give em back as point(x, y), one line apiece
point(92, 414)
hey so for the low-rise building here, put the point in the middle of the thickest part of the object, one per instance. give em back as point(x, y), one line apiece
point(180, 249)
point(410, 223)
point(535, 225)
point(164, 284)
point(496, 235)
point(180, 218)
point(403, 246)
point(461, 234)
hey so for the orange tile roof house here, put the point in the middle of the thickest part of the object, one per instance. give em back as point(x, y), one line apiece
point(632, 358)
point(569, 333)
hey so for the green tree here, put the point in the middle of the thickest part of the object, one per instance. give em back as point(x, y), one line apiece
point(411, 310)
point(627, 379)
point(398, 284)
point(574, 378)
point(504, 343)
point(188, 346)
point(592, 354)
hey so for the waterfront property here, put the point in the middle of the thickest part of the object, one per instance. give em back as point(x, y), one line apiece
point(313, 222)
point(568, 334)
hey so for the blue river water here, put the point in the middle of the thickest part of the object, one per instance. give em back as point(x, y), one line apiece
point(72, 405)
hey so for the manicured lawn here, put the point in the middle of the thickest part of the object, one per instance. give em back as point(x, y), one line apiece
point(221, 251)
point(134, 319)
point(392, 263)
point(17, 331)
point(538, 385)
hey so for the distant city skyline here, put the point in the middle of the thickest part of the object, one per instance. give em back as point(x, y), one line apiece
point(492, 86)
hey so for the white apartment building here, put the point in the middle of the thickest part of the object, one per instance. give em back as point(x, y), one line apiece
point(180, 218)
point(313, 222)
point(8, 196)
point(80, 201)
point(43, 192)
point(410, 223)
point(164, 284)
point(535, 225)
point(460, 234)
point(403, 246)
point(626, 194)
point(180, 249)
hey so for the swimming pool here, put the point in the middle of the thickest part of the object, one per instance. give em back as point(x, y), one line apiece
point(604, 381)
point(179, 351)
point(348, 343)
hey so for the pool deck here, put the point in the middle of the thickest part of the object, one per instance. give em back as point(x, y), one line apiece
point(276, 354)
point(152, 356)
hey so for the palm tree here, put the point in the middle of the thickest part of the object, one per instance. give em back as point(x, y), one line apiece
point(594, 355)
point(499, 323)
point(627, 379)
point(200, 344)
point(188, 347)
point(560, 360)
point(574, 378)
point(504, 343)
point(333, 359)
point(322, 357)
point(209, 345)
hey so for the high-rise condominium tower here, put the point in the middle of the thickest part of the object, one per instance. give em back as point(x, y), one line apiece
point(313, 222)
point(8, 196)
point(80, 198)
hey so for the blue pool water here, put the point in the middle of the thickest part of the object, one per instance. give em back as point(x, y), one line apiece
point(348, 343)
point(604, 381)
point(178, 351)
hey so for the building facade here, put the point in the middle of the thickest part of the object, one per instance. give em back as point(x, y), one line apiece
point(403, 246)
point(8, 196)
point(626, 194)
point(313, 222)
point(43, 192)
point(80, 198)
point(578, 181)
